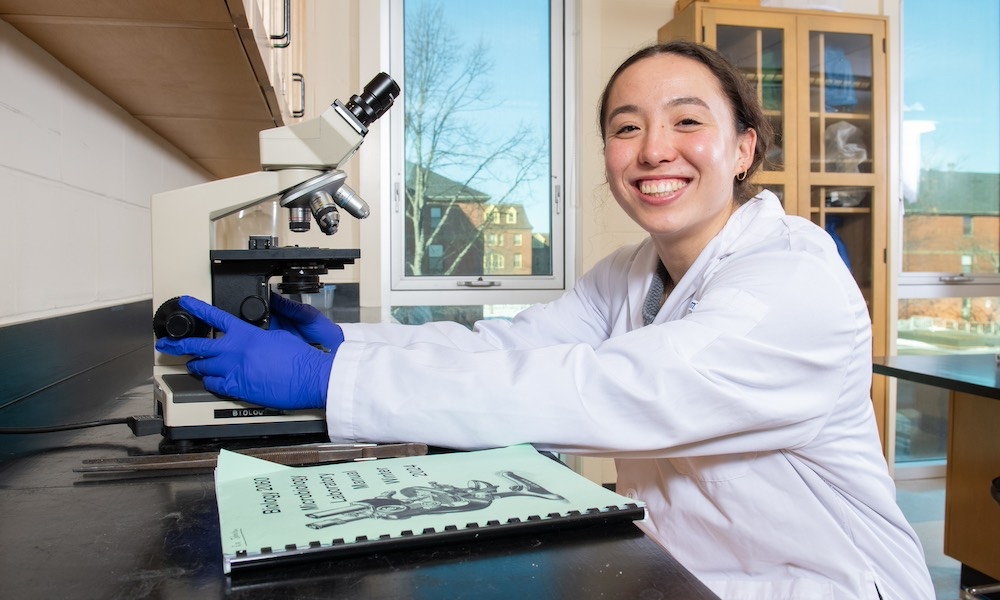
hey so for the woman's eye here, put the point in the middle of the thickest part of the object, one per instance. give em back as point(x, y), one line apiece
point(689, 122)
point(624, 129)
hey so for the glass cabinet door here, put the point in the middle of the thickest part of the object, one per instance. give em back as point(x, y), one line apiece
point(840, 143)
point(840, 102)
point(844, 181)
point(760, 46)
point(759, 54)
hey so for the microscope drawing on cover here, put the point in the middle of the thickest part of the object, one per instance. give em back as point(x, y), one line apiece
point(301, 172)
point(432, 499)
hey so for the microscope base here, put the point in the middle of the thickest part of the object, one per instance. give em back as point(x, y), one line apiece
point(191, 413)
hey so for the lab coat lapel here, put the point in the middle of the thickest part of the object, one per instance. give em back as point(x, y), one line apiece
point(685, 295)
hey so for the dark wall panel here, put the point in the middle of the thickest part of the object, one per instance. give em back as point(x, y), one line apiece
point(37, 354)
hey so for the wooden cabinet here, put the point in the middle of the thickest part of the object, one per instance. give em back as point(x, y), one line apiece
point(280, 32)
point(196, 72)
point(822, 80)
point(972, 521)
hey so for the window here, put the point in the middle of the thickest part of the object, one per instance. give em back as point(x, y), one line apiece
point(494, 262)
point(478, 154)
point(434, 253)
point(949, 284)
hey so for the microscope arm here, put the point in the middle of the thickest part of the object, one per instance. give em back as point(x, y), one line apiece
point(183, 229)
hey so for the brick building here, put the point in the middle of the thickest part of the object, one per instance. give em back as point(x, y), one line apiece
point(952, 231)
point(953, 227)
point(463, 232)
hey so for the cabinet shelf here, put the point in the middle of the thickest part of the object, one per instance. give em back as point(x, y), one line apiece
point(768, 76)
point(841, 210)
point(840, 116)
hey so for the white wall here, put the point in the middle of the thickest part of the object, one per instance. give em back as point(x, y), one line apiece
point(76, 176)
point(609, 31)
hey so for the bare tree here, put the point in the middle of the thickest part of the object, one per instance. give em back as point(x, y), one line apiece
point(447, 99)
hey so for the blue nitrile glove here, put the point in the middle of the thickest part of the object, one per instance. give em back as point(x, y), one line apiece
point(306, 322)
point(274, 369)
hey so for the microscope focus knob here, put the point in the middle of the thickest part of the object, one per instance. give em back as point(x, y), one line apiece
point(170, 320)
point(253, 309)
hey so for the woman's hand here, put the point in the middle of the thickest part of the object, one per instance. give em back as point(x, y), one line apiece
point(276, 369)
point(306, 322)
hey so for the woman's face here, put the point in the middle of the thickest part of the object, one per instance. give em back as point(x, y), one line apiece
point(671, 149)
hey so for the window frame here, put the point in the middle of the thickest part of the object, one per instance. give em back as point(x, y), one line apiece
point(919, 285)
point(514, 289)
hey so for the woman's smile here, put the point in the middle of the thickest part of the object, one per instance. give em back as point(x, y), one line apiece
point(661, 188)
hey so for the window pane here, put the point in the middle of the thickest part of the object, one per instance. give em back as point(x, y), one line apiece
point(463, 314)
point(937, 326)
point(477, 138)
point(951, 137)
point(948, 325)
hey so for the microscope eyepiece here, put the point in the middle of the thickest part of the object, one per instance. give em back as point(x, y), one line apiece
point(376, 98)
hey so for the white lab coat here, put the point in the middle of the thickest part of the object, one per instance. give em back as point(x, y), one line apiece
point(741, 416)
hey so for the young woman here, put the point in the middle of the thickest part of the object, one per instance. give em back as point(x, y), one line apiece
point(724, 362)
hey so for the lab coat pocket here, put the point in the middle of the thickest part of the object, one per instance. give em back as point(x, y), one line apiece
point(714, 468)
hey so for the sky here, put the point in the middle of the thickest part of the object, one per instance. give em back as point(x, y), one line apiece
point(957, 92)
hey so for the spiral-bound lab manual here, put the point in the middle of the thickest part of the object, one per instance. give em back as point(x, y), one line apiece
point(271, 514)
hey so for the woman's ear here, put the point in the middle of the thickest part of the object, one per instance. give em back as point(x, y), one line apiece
point(745, 149)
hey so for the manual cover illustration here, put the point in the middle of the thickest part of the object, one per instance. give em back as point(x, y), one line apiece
point(270, 512)
point(431, 499)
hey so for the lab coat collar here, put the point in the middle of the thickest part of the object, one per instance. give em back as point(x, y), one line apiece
point(741, 230)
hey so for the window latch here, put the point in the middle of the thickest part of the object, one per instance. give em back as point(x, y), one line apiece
point(479, 283)
point(956, 279)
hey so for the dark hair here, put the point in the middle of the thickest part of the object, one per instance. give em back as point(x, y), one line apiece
point(741, 94)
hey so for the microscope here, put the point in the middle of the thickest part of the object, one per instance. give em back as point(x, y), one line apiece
point(301, 173)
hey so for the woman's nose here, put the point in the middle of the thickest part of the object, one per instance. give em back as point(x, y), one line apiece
point(657, 146)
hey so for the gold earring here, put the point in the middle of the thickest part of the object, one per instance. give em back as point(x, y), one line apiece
point(742, 175)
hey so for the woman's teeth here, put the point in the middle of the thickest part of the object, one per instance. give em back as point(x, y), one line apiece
point(652, 188)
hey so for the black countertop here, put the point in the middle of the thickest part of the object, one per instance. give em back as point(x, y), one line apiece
point(70, 535)
point(976, 374)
